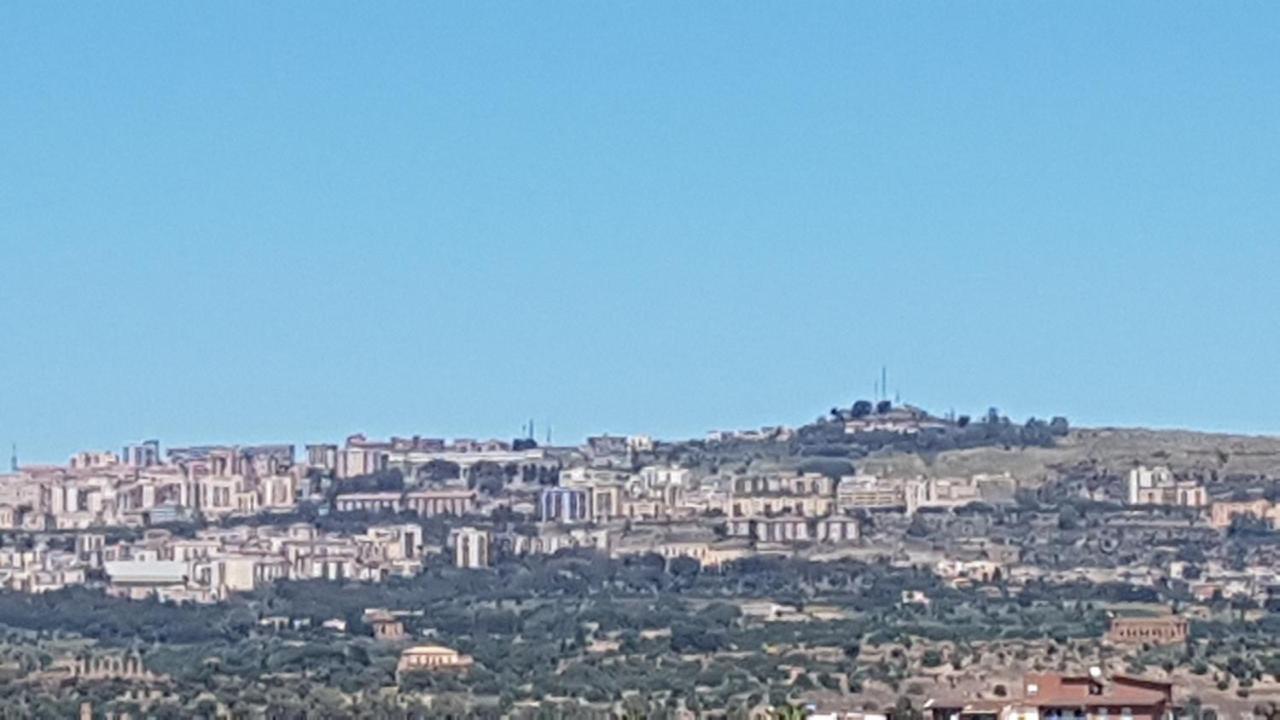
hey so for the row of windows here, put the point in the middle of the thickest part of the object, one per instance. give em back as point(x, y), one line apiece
point(1098, 714)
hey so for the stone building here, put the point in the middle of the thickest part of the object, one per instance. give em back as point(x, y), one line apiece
point(432, 658)
point(470, 548)
point(385, 626)
point(1163, 630)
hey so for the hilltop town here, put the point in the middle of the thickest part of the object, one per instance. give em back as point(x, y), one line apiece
point(880, 560)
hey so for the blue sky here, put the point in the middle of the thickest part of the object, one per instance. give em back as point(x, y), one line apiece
point(291, 221)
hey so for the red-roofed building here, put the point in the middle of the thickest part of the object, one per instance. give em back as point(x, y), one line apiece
point(1067, 697)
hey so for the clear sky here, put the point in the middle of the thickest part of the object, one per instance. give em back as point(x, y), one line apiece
point(246, 221)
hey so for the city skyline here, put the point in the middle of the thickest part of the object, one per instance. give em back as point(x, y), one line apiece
point(541, 431)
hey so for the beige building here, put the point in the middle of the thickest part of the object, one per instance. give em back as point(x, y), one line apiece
point(277, 492)
point(1161, 630)
point(966, 572)
point(606, 501)
point(1222, 513)
point(802, 485)
point(390, 543)
point(550, 540)
point(471, 548)
point(126, 666)
point(369, 502)
point(432, 658)
point(322, 457)
point(1157, 486)
point(831, 529)
point(430, 503)
point(140, 579)
point(708, 554)
point(868, 492)
point(359, 456)
point(754, 506)
point(802, 495)
point(221, 495)
point(230, 573)
point(90, 459)
point(385, 626)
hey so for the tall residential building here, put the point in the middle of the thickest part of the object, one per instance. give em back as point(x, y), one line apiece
point(323, 457)
point(564, 505)
point(471, 548)
point(360, 456)
point(143, 454)
point(93, 460)
point(1157, 486)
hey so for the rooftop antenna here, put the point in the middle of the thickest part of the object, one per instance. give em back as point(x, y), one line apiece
point(548, 433)
point(531, 433)
point(13, 458)
point(884, 382)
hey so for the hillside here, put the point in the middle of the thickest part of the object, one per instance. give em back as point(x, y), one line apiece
point(1114, 450)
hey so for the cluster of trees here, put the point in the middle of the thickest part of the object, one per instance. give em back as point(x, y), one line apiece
point(88, 612)
point(658, 612)
point(390, 480)
point(486, 476)
point(438, 471)
point(861, 409)
point(1251, 530)
point(555, 592)
point(830, 439)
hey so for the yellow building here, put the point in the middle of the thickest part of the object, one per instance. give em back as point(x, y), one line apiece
point(1222, 513)
point(432, 658)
